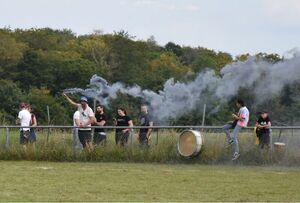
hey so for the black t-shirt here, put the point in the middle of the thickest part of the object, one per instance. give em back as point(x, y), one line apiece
point(122, 121)
point(99, 118)
point(262, 121)
point(145, 121)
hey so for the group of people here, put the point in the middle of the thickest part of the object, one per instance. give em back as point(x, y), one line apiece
point(84, 118)
point(27, 119)
point(240, 120)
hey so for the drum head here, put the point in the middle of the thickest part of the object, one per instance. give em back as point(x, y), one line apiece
point(187, 143)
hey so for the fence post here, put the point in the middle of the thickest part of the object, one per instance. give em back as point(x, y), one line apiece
point(7, 138)
point(48, 114)
point(157, 136)
point(131, 135)
point(203, 116)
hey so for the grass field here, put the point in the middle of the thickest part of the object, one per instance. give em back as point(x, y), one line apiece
point(82, 181)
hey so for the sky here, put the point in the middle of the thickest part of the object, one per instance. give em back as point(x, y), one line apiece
point(233, 26)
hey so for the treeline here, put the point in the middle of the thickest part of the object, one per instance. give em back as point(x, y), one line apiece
point(36, 65)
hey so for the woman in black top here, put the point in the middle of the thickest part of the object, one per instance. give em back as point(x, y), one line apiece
point(122, 119)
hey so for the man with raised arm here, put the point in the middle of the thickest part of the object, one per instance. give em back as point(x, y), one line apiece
point(86, 118)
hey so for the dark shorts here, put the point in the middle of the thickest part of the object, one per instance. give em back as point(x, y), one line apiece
point(27, 136)
point(99, 138)
point(121, 138)
point(84, 136)
point(264, 139)
point(143, 138)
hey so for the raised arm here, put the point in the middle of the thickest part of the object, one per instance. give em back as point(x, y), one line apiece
point(69, 100)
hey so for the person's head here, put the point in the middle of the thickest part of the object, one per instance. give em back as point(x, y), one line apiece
point(121, 111)
point(239, 103)
point(29, 108)
point(22, 105)
point(144, 109)
point(83, 101)
point(264, 114)
point(99, 109)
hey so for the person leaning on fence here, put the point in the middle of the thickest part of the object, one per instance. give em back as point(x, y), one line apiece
point(99, 133)
point(24, 119)
point(263, 125)
point(76, 122)
point(86, 119)
point(241, 120)
point(122, 119)
point(33, 123)
point(145, 120)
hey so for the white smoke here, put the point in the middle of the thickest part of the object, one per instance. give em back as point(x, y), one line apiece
point(177, 98)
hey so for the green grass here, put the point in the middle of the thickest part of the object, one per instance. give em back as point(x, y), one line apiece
point(82, 181)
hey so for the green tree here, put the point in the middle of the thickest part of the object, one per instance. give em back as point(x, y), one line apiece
point(39, 99)
point(10, 97)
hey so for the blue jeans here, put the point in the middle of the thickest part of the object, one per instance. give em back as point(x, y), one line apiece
point(235, 133)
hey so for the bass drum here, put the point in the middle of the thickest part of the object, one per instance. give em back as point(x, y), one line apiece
point(189, 143)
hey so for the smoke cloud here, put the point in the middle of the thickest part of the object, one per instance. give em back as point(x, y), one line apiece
point(177, 98)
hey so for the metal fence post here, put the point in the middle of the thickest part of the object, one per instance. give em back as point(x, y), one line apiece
point(156, 137)
point(7, 138)
point(131, 135)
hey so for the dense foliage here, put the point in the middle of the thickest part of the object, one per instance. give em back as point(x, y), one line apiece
point(36, 65)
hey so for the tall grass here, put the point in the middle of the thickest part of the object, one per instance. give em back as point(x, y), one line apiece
point(59, 147)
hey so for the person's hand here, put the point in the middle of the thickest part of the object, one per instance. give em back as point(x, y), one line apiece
point(234, 116)
point(124, 131)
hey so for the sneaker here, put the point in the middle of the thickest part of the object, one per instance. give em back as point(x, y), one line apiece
point(235, 156)
point(229, 143)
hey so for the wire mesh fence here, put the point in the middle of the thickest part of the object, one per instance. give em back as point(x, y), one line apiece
point(56, 143)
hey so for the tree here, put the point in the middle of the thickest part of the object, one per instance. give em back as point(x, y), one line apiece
point(11, 53)
point(164, 67)
point(39, 99)
point(11, 96)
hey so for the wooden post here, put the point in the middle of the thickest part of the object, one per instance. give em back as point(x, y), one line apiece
point(48, 113)
point(203, 116)
point(7, 138)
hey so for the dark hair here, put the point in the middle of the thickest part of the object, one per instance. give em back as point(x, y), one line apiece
point(22, 105)
point(241, 102)
point(122, 109)
point(101, 106)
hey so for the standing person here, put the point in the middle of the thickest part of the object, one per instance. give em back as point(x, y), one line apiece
point(33, 123)
point(122, 119)
point(242, 119)
point(76, 123)
point(100, 135)
point(24, 119)
point(86, 119)
point(263, 125)
point(145, 120)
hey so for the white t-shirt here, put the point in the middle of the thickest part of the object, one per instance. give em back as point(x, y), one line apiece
point(85, 116)
point(76, 116)
point(25, 118)
point(243, 113)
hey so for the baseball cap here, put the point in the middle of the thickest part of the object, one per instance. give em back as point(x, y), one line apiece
point(83, 98)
